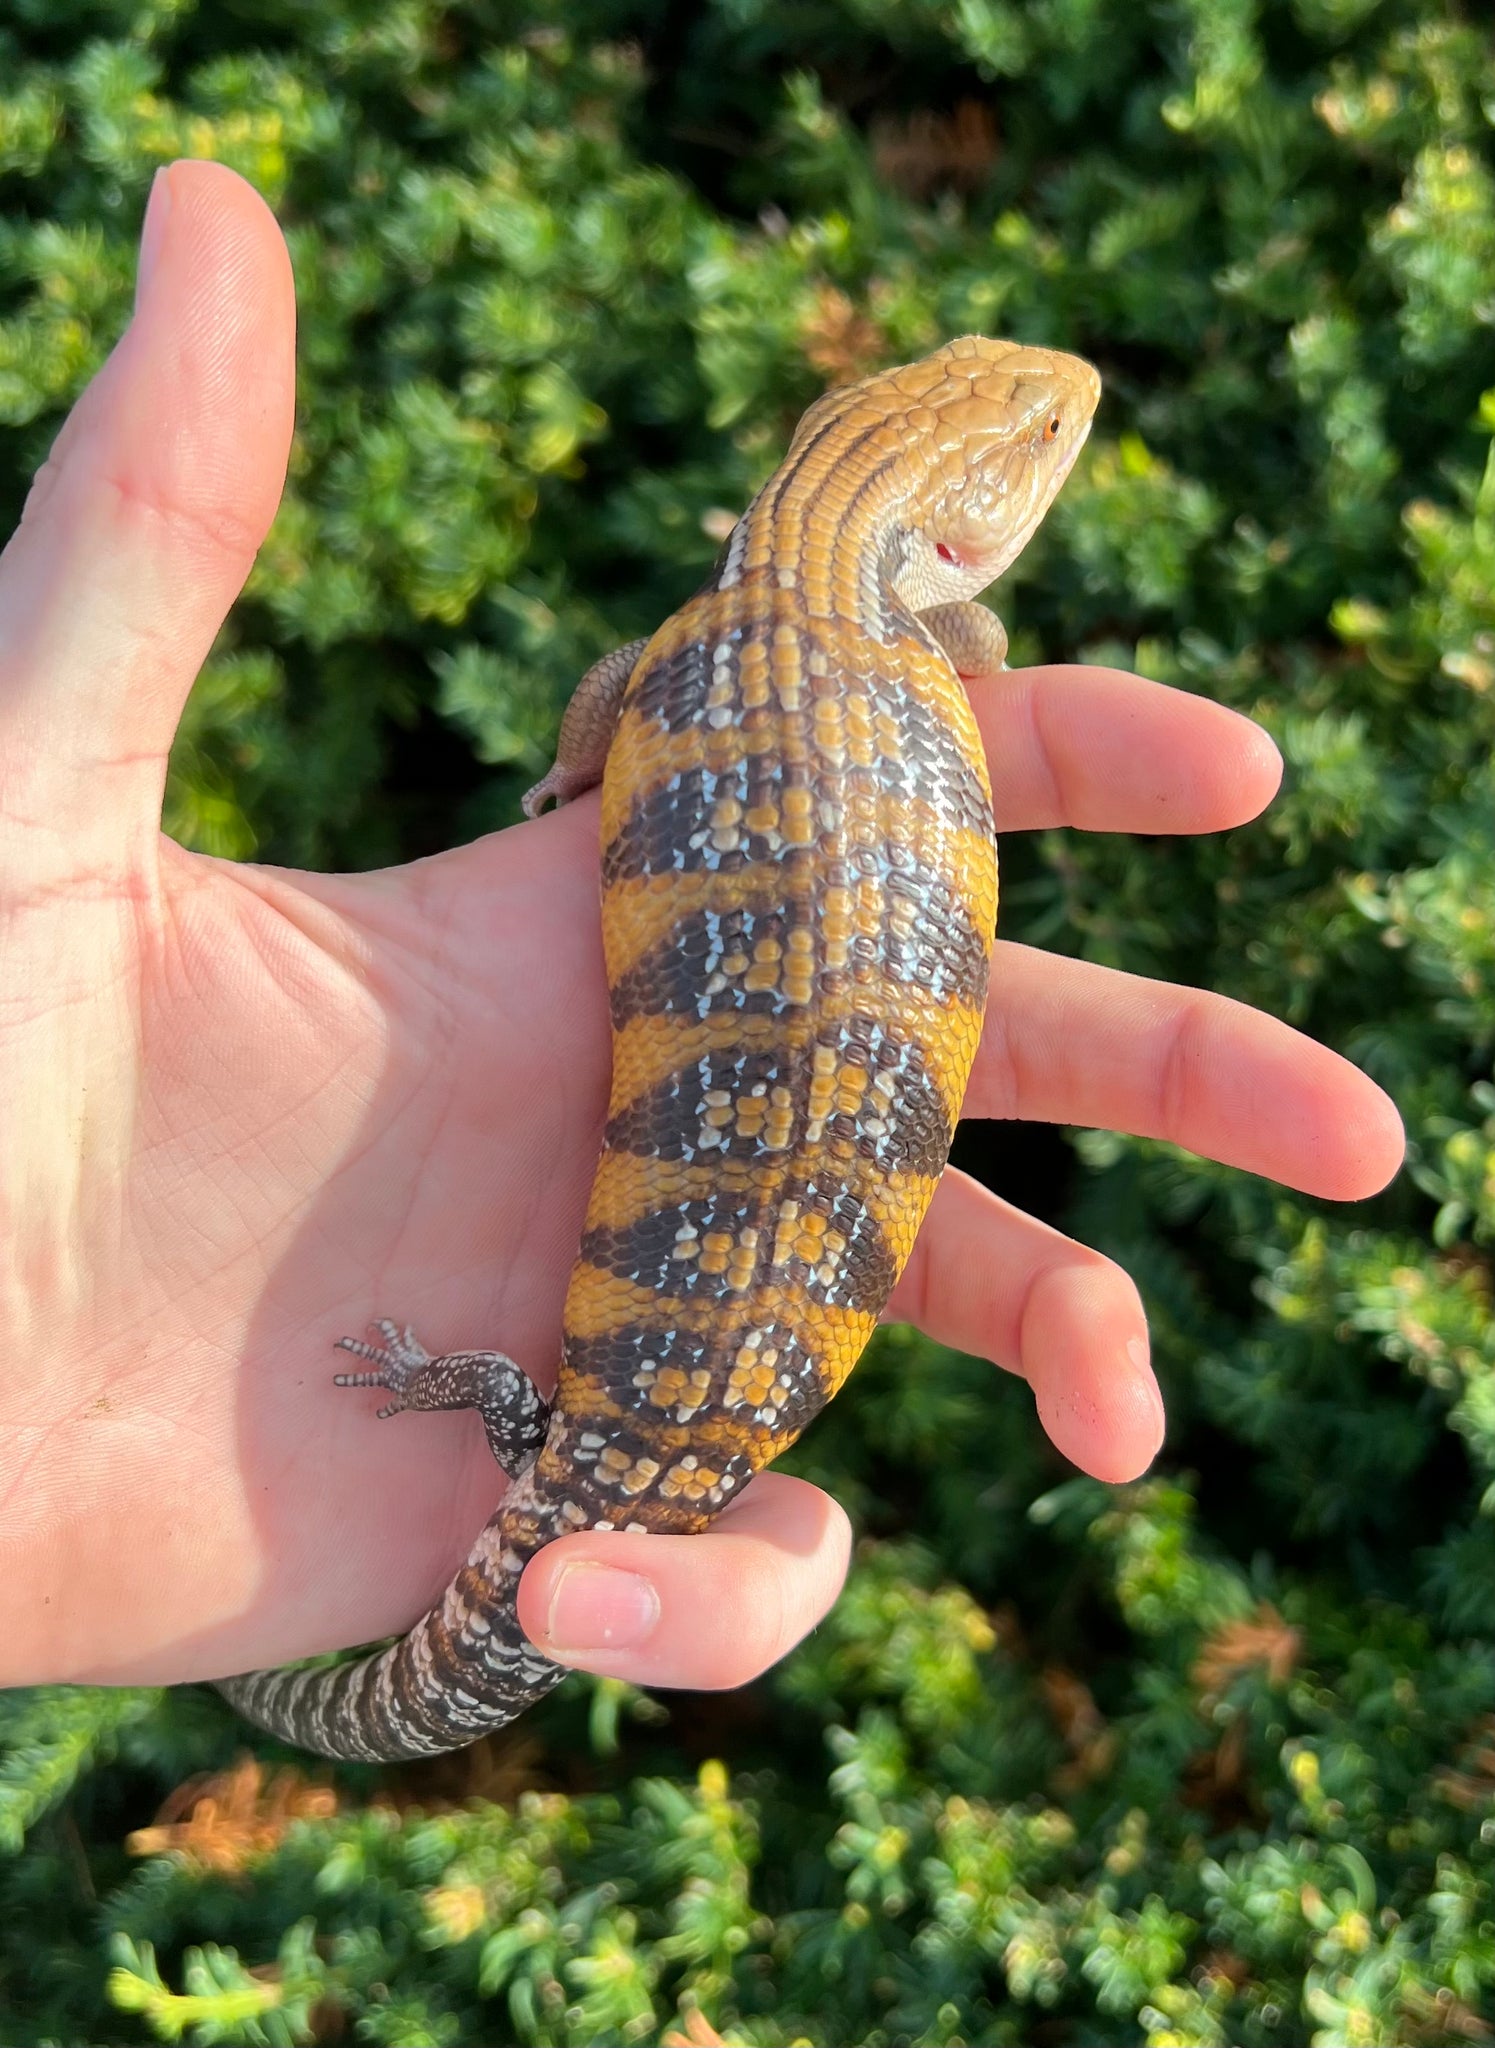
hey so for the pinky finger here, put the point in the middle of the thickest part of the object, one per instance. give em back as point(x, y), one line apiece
point(708, 1611)
point(986, 1278)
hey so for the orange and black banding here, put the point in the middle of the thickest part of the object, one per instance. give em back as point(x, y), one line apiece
point(799, 893)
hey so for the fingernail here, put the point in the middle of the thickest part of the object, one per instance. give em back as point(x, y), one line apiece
point(598, 1607)
point(157, 212)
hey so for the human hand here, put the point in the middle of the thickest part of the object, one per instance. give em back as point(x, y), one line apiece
point(248, 1109)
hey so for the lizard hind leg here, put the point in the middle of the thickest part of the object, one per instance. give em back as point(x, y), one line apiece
point(514, 1413)
point(587, 729)
point(467, 1666)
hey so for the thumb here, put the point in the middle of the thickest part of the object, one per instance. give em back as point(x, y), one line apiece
point(141, 527)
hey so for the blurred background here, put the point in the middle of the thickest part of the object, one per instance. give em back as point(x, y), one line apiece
point(1209, 1759)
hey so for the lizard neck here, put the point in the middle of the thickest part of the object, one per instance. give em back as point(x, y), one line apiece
point(823, 533)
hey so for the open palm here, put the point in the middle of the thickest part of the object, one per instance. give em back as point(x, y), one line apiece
point(245, 1110)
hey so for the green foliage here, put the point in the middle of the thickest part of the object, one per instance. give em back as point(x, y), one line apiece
point(1208, 1760)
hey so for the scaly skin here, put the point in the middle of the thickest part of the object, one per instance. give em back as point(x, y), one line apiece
point(799, 892)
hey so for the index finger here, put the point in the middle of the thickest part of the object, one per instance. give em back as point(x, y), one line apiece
point(1113, 752)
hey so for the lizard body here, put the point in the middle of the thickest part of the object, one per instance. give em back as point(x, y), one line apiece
point(798, 900)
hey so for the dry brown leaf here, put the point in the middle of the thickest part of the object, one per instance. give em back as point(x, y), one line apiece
point(1266, 1639)
point(1469, 1783)
point(1072, 1705)
point(1090, 1742)
point(502, 1768)
point(924, 152)
point(223, 1820)
point(1215, 1781)
point(1226, 1967)
point(1212, 1776)
point(1007, 1627)
point(838, 340)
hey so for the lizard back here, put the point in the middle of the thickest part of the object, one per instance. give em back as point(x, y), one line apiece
point(798, 900)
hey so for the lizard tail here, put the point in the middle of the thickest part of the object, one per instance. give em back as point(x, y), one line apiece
point(464, 1670)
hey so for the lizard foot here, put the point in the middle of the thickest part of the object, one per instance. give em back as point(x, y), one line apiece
point(514, 1414)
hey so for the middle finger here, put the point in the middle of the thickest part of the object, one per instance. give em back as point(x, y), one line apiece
point(1068, 1042)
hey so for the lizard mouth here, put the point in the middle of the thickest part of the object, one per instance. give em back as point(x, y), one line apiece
point(1013, 543)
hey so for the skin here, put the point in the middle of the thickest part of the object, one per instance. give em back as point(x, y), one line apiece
point(246, 1110)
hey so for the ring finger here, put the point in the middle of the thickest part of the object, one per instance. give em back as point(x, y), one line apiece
point(988, 1279)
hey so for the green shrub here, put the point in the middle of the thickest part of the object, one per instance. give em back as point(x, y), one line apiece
point(1208, 1759)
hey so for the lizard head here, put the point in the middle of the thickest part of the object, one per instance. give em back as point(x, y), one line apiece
point(1004, 424)
point(982, 434)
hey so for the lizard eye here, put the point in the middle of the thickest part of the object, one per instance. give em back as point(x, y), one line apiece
point(945, 554)
point(1051, 427)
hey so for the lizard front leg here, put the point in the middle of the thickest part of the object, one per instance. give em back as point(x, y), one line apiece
point(974, 638)
point(587, 729)
point(514, 1415)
